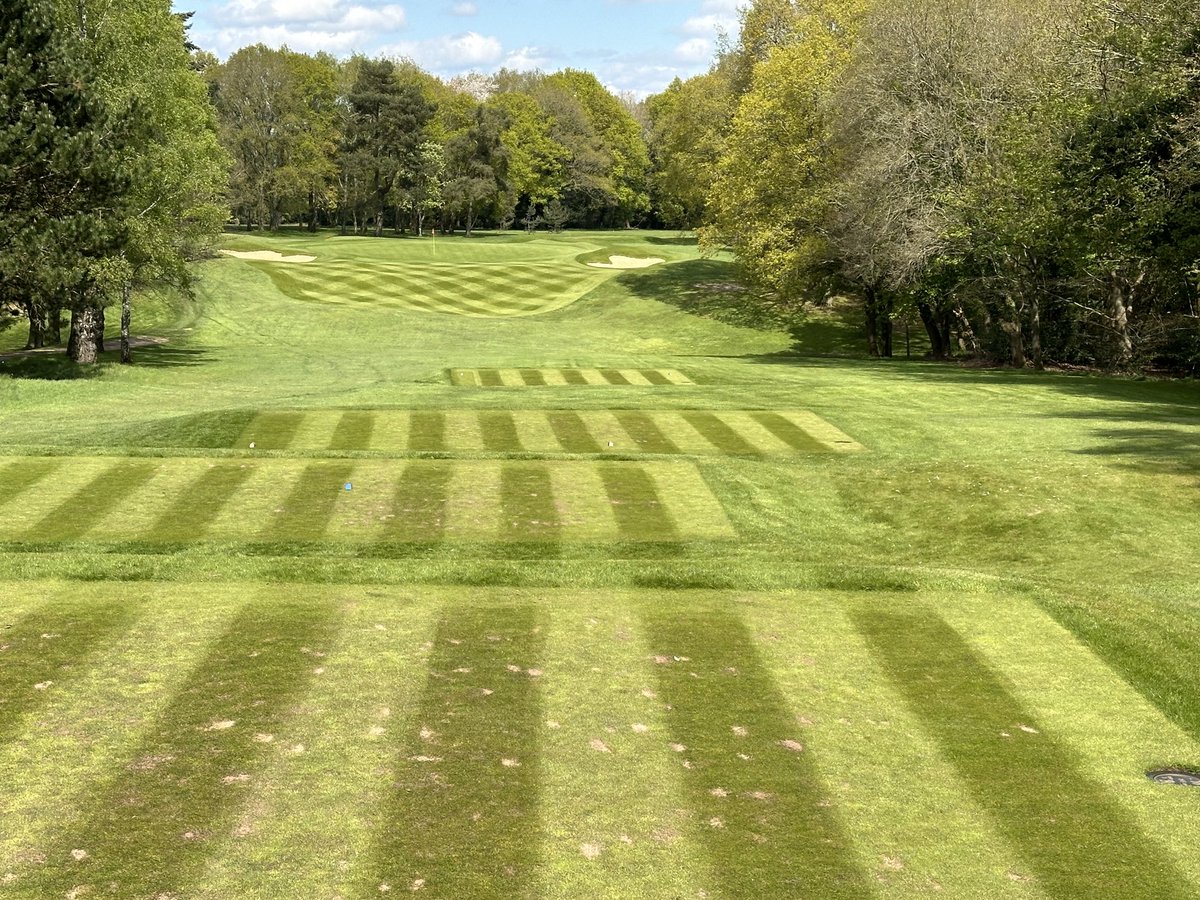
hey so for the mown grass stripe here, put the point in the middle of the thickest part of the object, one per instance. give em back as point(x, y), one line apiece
point(462, 817)
point(499, 432)
point(756, 802)
point(50, 647)
point(199, 504)
point(1075, 837)
point(533, 377)
point(529, 511)
point(182, 789)
point(490, 378)
point(427, 431)
point(353, 431)
point(419, 505)
point(76, 515)
point(573, 376)
point(572, 434)
point(645, 432)
point(272, 430)
point(613, 376)
point(639, 511)
point(719, 433)
point(788, 432)
point(19, 477)
point(310, 504)
point(654, 376)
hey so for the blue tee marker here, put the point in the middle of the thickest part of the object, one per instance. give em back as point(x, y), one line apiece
point(349, 486)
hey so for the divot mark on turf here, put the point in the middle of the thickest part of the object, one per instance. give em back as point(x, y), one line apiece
point(636, 505)
point(466, 821)
point(76, 515)
point(21, 476)
point(353, 431)
point(310, 504)
point(199, 504)
point(1076, 838)
point(33, 663)
point(271, 430)
point(165, 812)
point(645, 433)
point(427, 431)
point(420, 505)
point(753, 803)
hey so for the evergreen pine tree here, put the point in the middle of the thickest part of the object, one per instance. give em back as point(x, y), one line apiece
point(61, 180)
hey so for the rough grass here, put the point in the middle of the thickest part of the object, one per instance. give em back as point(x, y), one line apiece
point(724, 656)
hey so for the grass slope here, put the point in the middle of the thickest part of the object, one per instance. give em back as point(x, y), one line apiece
point(629, 597)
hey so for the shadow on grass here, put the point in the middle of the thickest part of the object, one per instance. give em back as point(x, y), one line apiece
point(757, 804)
point(708, 288)
point(161, 356)
point(461, 818)
point(681, 240)
point(151, 829)
point(48, 649)
point(1152, 644)
point(1076, 838)
point(47, 367)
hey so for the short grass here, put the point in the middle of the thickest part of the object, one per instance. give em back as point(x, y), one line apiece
point(634, 593)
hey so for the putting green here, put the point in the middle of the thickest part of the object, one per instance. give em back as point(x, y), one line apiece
point(480, 290)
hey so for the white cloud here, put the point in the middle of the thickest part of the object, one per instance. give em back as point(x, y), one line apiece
point(311, 12)
point(451, 52)
point(464, 9)
point(526, 59)
point(335, 26)
point(695, 50)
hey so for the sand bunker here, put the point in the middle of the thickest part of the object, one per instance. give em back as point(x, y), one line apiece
point(267, 256)
point(627, 262)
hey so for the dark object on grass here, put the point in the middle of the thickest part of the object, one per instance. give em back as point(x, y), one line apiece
point(1174, 776)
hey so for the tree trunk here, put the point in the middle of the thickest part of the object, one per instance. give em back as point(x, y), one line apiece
point(939, 347)
point(56, 325)
point(887, 329)
point(379, 223)
point(126, 317)
point(1035, 332)
point(1016, 339)
point(967, 342)
point(871, 320)
point(312, 212)
point(1119, 308)
point(87, 334)
point(37, 327)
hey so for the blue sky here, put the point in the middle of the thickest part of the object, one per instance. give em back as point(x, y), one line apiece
point(632, 45)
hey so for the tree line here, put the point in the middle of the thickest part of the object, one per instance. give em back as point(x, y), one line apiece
point(1018, 176)
point(372, 144)
point(1021, 176)
point(111, 173)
